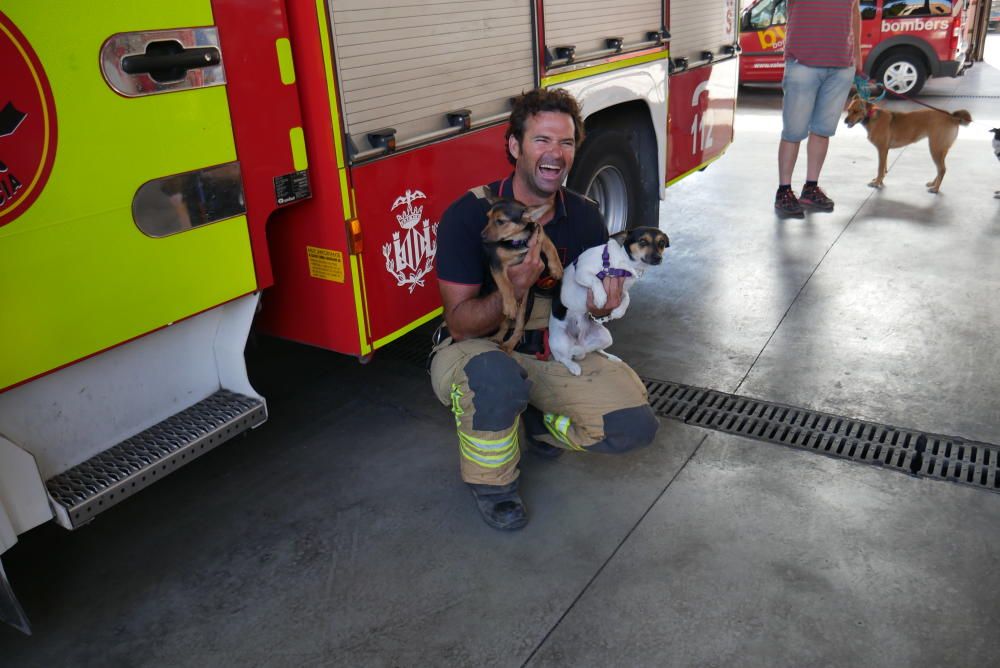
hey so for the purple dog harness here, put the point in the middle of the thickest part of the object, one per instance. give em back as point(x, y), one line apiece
point(608, 270)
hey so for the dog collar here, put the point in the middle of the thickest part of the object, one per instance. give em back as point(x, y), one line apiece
point(608, 270)
point(511, 243)
point(871, 112)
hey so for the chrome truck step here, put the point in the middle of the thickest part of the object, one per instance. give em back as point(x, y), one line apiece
point(122, 470)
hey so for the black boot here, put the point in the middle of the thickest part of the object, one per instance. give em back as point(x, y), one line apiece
point(534, 423)
point(500, 506)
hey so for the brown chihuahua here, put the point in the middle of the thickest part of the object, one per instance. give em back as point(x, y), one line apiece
point(510, 226)
point(895, 129)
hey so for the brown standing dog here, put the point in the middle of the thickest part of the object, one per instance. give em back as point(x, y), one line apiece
point(510, 226)
point(895, 129)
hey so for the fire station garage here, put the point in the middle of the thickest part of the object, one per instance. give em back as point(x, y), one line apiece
point(823, 488)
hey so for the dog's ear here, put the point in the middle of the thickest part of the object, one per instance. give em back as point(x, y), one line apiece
point(490, 197)
point(620, 237)
point(535, 213)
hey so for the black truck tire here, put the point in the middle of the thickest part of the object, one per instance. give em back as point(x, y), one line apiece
point(607, 171)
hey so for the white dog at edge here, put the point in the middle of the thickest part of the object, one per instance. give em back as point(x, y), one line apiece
point(572, 331)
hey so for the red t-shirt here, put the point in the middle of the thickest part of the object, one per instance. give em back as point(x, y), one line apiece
point(819, 32)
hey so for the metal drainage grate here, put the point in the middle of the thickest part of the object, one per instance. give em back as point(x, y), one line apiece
point(122, 470)
point(910, 451)
point(914, 452)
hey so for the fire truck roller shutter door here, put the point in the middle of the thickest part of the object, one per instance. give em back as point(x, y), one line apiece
point(692, 34)
point(587, 26)
point(406, 65)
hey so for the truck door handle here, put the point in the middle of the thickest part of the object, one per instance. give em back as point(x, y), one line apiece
point(169, 61)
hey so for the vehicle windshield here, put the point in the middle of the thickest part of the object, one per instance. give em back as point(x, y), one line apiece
point(906, 8)
point(765, 14)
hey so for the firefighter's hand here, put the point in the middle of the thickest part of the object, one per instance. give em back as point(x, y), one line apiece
point(523, 276)
point(613, 287)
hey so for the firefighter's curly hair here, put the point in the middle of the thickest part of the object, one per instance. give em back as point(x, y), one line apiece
point(536, 101)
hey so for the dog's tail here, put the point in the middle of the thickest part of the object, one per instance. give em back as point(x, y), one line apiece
point(962, 116)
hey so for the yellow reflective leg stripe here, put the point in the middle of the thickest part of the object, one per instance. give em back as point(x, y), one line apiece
point(558, 426)
point(489, 453)
point(456, 406)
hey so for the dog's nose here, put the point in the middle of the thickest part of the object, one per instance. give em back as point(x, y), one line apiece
point(656, 259)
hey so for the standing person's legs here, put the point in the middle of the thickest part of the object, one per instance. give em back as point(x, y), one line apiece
point(799, 86)
point(788, 154)
point(834, 87)
point(815, 155)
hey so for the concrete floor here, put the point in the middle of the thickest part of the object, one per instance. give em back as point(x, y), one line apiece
point(339, 533)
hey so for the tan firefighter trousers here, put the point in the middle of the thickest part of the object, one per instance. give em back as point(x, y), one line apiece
point(604, 409)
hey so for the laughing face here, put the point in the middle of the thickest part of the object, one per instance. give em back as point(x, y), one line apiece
point(544, 155)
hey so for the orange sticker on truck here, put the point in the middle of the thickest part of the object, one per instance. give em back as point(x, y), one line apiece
point(326, 264)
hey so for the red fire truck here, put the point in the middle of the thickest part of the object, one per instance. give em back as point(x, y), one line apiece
point(903, 42)
point(174, 174)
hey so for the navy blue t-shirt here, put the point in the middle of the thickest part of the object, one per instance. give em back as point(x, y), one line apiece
point(576, 226)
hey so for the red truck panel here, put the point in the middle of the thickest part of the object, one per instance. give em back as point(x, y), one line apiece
point(263, 109)
point(400, 200)
point(700, 117)
point(313, 299)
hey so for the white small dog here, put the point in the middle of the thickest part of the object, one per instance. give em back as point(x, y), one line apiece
point(572, 331)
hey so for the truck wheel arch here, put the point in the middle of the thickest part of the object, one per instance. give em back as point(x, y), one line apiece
point(884, 50)
point(621, 142)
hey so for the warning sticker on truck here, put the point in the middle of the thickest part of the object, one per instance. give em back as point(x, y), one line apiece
point(326, 264)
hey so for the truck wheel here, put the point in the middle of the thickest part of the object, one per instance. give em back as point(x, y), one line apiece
point(902, 72)
point(607, 172)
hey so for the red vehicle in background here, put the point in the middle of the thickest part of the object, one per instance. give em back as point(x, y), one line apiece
point(903, 42)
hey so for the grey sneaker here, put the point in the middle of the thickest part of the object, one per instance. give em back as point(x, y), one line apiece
point(787, 204)
point(813, 197)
